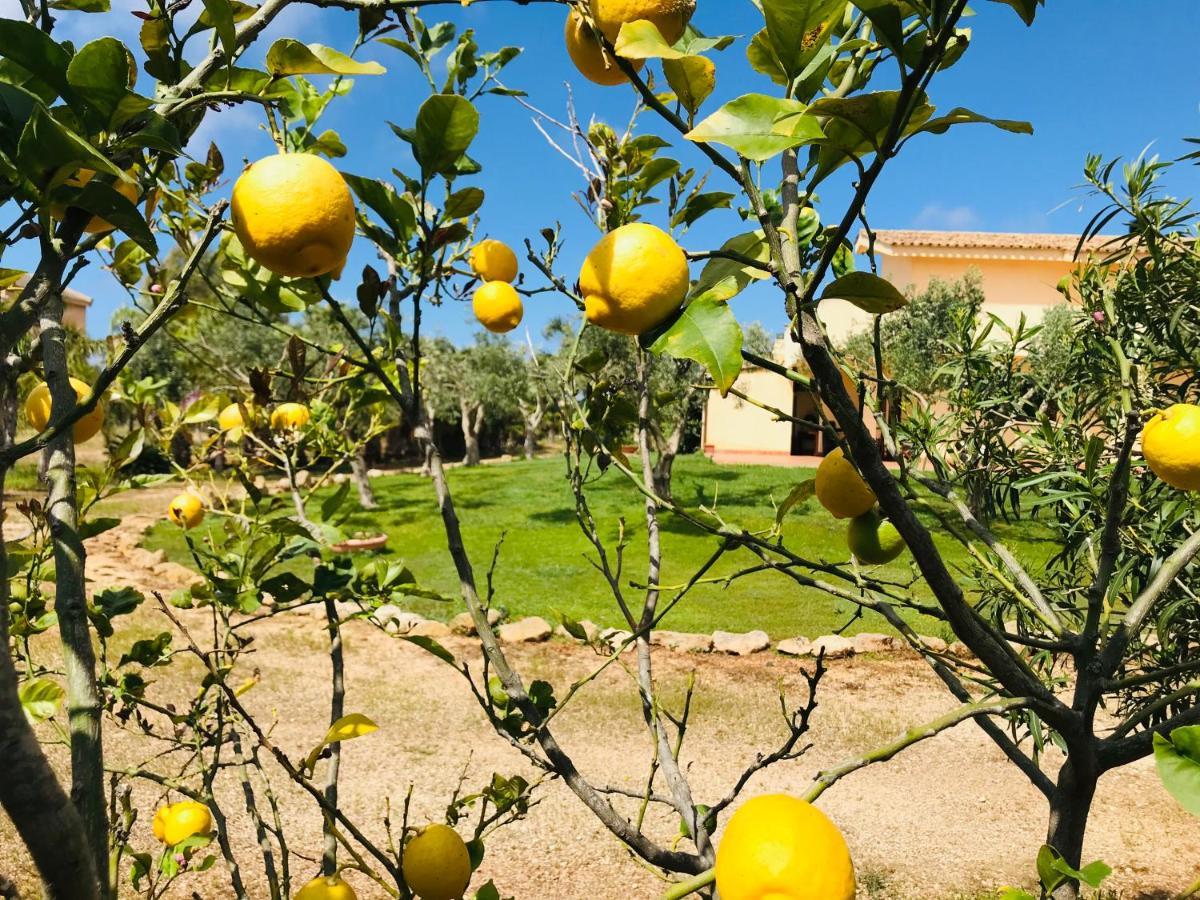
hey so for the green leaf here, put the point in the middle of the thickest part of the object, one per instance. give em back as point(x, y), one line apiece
point(1178, 761)
point(446, 126)
point(40, 699)
point(869, 115)
point(99, 74)
point(47, 145)
point(692, 78)
point(488, 892)
point(726, 278)
point(220, 14)
point(149, 651)
point(887, 20)
point(115, 208)
point(475, 851)
point(763, 59)
point(797, 495)
point(290, 57)
point(1026, 9)
point(34, 50)
point(963, 116)
point(432, 646)
point(701, 204)
point(797, 29)
point(84, 6)
point(868, 292)
point(463, 203)
point(397, 213)
point(708, 332)
point(643, 40)
point(758, 126)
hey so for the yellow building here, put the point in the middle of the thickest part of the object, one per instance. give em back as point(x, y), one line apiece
point(1020, 274)
point(75, 304)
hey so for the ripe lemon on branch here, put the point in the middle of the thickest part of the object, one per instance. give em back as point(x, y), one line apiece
point(331, 888)
point(670, 17)
point(436, 864)
point(498, 306)
point(589, 55)
point(180, 821)
point(127, 189)
point(494, 260)
point(1171, 446)
point(186, 510)
point(633, 279)
point(289, 416)
point(294, 215)
point(840, 489)
point(37, 411)
point(778, 847)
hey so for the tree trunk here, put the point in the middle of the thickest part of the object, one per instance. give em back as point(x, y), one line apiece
point(470, 429)
point(358, 471)
point(532, 417)
point(30, 794)
point(70, 601)
point(668, 449)
point(1069, 809)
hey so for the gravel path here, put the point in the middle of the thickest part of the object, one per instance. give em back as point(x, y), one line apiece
point(948, 819)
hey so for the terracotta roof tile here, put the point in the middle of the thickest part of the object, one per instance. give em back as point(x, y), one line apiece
point(978, 240)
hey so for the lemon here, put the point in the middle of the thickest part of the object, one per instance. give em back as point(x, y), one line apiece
point(186, 510)
point(287, 416)
point(1171, 446)
point(633, 279)
point(436, 864)
point(159, 825)
point(185, 819)
point(37, 411)
point(589, 55)
point(498, 306)
point(128, 190)
point(840, 489)
point(494, 260)
point(777, 847)
point(322, 888)
point(670, 17)
point(294, 214)
point(873, 540)
point(231, 417)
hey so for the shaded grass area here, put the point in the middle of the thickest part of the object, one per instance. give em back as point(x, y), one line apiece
point(22, 477)
point(544, 565)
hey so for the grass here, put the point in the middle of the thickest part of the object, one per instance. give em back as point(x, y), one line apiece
point(22, 477)
point(544, 566)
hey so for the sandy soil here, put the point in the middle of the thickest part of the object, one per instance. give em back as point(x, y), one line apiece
point(948, 819)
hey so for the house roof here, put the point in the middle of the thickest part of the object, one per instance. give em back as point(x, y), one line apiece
point(976, 243)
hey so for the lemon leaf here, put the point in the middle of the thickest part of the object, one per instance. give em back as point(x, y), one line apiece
point(290, 57)
point(868, 292)
point(349, 727)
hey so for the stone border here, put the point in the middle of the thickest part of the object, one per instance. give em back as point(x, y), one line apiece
point(535, 630)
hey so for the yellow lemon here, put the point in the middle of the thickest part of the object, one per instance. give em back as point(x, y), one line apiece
point(589, 55)
point(322, 888)
point(498, 306)
point(289, 415)
point(186, 819)
point(840, 489)
point(633, 279)
point(186, 510)
point(294, 214)
point(436, 864)
point(1171, 446)
point(670, 17)
point(37, 411)
point(128, 190)
point(777, 847)
point(159, 825)
point(494, 260)
point(231, 417)
point(873, 540)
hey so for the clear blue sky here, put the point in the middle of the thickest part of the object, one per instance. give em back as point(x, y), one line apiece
point(1091, 77)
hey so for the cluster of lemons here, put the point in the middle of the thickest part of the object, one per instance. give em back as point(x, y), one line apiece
point(588, 53)
point(187, 509)
point(841, 490)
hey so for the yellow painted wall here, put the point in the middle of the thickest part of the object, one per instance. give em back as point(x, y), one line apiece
point(1010, 286)
point(733, 424)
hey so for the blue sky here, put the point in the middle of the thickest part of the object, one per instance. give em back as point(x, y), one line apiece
point(1088, 77)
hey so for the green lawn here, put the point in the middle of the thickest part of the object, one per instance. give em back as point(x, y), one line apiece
point(22, 477)
point(544, 568)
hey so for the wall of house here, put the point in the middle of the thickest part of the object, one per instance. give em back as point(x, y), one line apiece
point(75, 314)
point(1011, 287)
point(731, 425)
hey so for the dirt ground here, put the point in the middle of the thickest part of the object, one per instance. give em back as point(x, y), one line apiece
point(949, 818)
